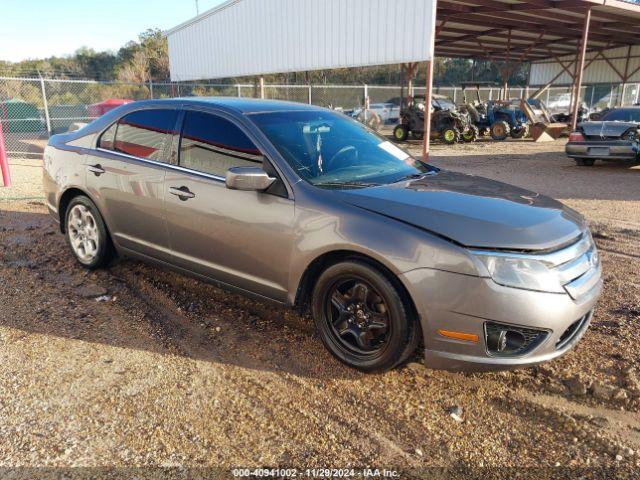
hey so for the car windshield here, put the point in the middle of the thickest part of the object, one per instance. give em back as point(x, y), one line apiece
point(329, 149)
point(623, 115)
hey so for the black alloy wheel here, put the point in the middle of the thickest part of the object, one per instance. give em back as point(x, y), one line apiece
point(358, 316)
point(362, 318)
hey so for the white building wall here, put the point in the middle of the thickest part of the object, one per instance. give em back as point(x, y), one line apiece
point(598, 72)
point(251, 37)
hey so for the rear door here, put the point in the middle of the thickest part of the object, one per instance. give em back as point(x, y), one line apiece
point(126, 177)
point(240, 238)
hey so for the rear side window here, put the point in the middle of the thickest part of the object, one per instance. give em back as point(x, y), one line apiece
point(211, 144)
point(145, 133)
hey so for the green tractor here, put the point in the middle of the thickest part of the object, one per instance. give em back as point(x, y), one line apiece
point(447, 123)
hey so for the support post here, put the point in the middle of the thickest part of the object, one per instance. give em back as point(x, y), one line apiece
point(261, 87)
point(45, 104)
point(239, 90)
point(309, 94)
point(151, 89)
point(4, 162)
point(426, 140)
point(366, 96)
point(583, 52)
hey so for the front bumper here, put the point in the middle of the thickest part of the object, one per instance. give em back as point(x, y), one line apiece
point(605, 150)
point(463, 303)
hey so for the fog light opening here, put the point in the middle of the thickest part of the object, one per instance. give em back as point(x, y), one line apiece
point(505, 341)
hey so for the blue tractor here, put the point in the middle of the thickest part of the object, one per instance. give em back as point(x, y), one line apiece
point(497, 118)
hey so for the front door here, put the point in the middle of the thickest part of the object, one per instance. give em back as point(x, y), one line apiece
point(240, 238)
point(126, 175)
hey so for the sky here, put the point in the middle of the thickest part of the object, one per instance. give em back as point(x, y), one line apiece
point(44, 28)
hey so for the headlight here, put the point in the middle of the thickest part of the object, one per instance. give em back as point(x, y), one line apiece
point(520, 272)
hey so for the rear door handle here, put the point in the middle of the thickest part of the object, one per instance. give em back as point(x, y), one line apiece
point(183, 193)
point(97, 170)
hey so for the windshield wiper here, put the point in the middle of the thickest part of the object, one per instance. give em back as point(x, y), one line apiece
point(347, 184)
point(416, 176)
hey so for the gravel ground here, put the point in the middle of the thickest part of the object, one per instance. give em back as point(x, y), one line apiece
point(135, 366)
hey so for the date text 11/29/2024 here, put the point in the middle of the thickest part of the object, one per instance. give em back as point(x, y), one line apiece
point(315, 473)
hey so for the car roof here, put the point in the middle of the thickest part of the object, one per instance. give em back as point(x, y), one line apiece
point(238, 105)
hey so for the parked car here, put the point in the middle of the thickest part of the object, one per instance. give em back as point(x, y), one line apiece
point(616, 136)
point(306, 207)
point(388, 112)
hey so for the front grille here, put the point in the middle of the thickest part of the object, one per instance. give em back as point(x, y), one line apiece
point(531, 338)
point(571, 332)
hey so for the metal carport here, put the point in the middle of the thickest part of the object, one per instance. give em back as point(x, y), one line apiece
point(507, 32)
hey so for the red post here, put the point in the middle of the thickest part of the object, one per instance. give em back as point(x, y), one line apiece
point(427, 112)
point(4, 163)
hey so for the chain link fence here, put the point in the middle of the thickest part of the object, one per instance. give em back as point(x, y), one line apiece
point(32, 109)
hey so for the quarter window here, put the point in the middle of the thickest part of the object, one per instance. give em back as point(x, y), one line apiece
point(145, 133)
point(106, 140)
point(211, 144)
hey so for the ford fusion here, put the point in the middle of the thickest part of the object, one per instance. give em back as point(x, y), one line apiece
point(306, 207)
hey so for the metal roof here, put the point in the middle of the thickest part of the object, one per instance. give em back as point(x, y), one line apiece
point(531, 30)
point(254, 37)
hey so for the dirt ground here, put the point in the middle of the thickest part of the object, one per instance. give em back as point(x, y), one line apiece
point(162, 370)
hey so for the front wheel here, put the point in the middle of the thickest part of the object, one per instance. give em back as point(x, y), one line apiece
point(585, 162)
point(520, 132)
point(471, 134)
point(361, 317)
point(87, 234)
point(400, 133)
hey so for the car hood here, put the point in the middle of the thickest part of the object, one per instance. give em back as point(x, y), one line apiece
point(606, 129)
point(473, 211)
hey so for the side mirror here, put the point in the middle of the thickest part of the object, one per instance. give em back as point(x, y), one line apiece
point(248, 178)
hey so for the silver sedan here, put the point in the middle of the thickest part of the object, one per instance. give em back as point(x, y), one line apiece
point(306, 207)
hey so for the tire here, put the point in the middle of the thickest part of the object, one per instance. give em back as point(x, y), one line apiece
point(400, 133)
point(585, 162)
point(471, 134)
point(87, 234)
point(348, 319)
point(450, 135)
point(417, 135)
point(499, 130)
point(520, 132)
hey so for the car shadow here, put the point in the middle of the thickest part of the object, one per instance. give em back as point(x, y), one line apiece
point(137, 306)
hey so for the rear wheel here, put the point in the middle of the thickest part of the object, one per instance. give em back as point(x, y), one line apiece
point(450, 135)
point(361, 317)
point(499, 130)
point(585, 162)
point(400, 133)
point(87, 234)
point(471, 134)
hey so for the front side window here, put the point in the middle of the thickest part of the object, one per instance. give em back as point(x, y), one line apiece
point(330, 150)
point(211, 144)
point(145, 133)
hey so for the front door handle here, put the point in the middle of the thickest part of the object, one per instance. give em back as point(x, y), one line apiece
point(183, 193)
point(97, 170)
